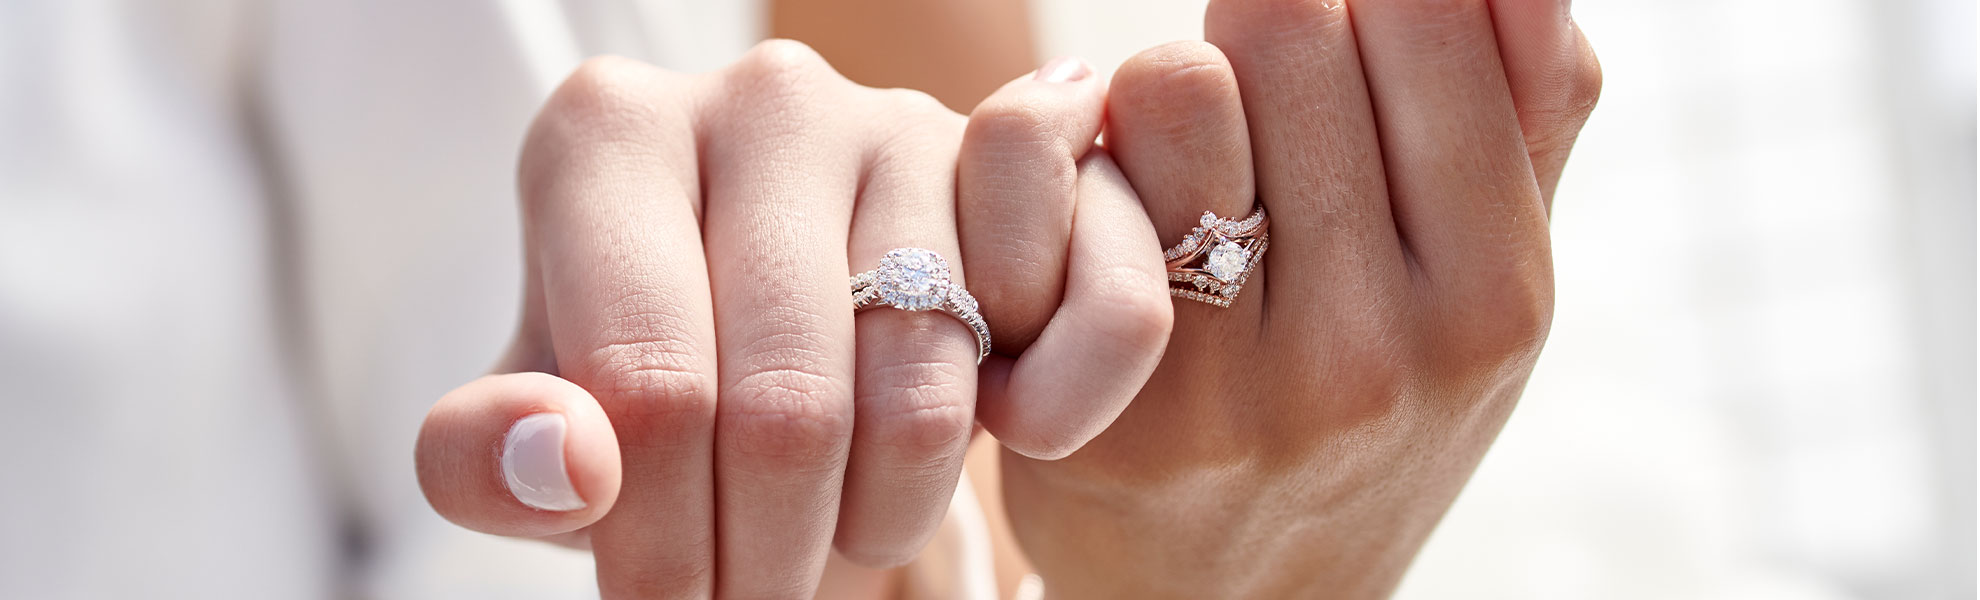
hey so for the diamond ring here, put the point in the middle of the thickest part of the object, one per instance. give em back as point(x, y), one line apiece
point(1213, 261)
point(913, 279)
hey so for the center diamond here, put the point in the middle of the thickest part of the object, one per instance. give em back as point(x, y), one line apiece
point(1227, 260)
point(914, 279)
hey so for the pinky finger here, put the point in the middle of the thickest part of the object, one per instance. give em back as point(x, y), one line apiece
point(523, 455)
point(1105, 339)
point(1554, 78)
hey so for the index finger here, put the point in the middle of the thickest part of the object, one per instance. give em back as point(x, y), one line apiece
point(609, 194)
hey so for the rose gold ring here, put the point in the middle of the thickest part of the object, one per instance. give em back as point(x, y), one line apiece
point(1213, 261)
point(914, 279)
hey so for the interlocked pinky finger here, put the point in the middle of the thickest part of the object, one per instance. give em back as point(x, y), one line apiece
point(1106, 337)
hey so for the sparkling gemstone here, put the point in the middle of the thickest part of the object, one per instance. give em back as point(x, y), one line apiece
point(1227, 260)
point(1208, 220)
point(914, 279)
point(962, 301)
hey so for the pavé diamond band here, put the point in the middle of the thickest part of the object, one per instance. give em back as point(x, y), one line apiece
point(914, 279)
point(1213, 261)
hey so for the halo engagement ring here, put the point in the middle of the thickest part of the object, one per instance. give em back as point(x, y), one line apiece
point(1212, 262)
point(914, 279)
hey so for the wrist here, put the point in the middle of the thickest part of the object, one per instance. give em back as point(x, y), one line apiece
point(1208, 536)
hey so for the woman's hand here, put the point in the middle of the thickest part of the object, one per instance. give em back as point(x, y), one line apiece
point(718, 420)
point(1303, 442)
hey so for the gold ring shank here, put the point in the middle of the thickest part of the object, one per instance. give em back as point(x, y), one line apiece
point(1213, 262)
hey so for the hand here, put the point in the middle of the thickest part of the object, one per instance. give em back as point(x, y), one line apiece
point(1303, 442)
point(706, 413)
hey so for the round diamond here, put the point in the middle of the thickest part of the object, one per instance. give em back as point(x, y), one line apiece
point(914, 279)
point(1227, 260)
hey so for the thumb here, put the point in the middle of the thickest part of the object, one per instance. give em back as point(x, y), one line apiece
point(522, 454)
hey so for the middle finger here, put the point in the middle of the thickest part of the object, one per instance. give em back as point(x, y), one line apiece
point(1315, 151)
point(780, 194)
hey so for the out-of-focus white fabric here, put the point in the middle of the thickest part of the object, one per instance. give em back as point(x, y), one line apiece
point(154, 442)
point(396, 126)
point(243, 246)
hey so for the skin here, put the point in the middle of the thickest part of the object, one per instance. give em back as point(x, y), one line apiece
point(956, 50)
point(688, 241)
point(1305, 441)
point(1301, 443)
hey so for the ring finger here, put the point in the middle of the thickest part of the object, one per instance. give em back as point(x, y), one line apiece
point(915, 380)
point(1176, 126)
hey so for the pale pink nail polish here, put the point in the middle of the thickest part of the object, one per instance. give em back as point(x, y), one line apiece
point(1063, 69)
point(533, 463)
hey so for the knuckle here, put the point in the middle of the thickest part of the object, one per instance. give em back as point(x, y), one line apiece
point(1572, 91)
point(1021, 121)
point(782, 89)
point(652, 385)
point(606, 94)
point(786, 414)
point(907, 101)
point(782, 69)
point(1187, 68)
point(920, 405)
point(1013, 150)
point(608, 109)
point(1509, 324)
point(1584, 87)
point(1189, 103)
point(919, 124)
point(645, 370)
point(664, 579)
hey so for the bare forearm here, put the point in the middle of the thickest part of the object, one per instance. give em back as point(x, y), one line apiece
point(957, 50)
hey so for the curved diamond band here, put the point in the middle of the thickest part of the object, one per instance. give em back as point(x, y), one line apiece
point(1213, 261)
point(914, 279)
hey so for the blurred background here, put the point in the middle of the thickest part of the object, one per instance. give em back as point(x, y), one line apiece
point(1760, 383)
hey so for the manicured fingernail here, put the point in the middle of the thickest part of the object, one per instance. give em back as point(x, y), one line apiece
point(533, 462)
point(1063, 69)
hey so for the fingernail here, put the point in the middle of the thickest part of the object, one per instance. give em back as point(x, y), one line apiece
point(533, 462)
point(1062, 69)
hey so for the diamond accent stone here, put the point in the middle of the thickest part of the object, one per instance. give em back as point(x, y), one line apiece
point(913, 279)
point(961, 300)
point(1227, 260)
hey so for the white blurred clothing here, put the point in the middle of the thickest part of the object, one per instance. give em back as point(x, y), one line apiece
point(243, 247)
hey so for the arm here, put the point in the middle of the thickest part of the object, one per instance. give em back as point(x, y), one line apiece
point(957, 50)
